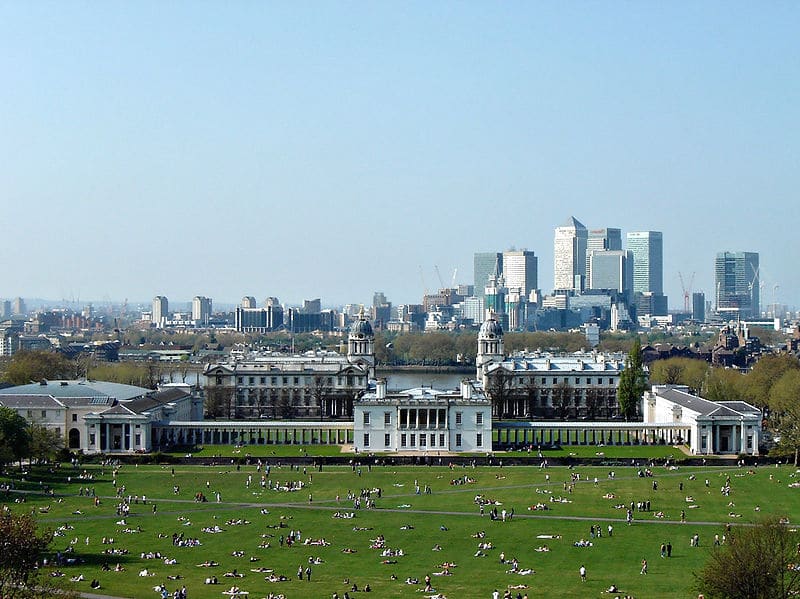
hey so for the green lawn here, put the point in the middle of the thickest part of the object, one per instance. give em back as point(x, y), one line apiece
point(610, 560)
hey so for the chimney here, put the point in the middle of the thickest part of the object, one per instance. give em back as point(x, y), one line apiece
point(466, 389)
point(380, 389)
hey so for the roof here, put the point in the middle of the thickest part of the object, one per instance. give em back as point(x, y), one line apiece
point(29, 401)
point(574, 223)
point(62, 389)
point(705, 407)
point(584, 363)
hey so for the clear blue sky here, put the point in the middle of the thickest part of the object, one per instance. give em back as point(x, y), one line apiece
point(331, 149)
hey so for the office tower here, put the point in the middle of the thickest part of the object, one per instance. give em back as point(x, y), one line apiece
point(521, 271)
point(5, 309)
point(248, 301)
point(201, 309)
point(160, 311)
point(313, 306)
point(272, 302)
point(570, 255)
point(737, 283)
point(611, 270)
point(648, 261)
point(699, 307)
point(598, 240)
point(486, 264)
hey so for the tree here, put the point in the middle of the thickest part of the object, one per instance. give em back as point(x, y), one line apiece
point(31, 366)
point(632, 382)
point(21, 546)
point(764, 374)
point(723, 384)
point(784, 408)
point(563, 396)
point(499, 389)
point(753, 564)
point(45, 443)
point(15, 437)
point(679, 371)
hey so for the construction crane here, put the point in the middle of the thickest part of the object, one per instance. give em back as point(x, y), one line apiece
point(687, 291)
point(453, 281)
point(439, 276)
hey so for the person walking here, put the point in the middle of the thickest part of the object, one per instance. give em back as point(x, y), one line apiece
point(644, 567)
point(582, 571)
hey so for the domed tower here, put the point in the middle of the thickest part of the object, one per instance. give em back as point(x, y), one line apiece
point(361, 344)
point(490, 346)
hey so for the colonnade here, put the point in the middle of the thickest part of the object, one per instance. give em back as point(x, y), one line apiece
point(589, 433)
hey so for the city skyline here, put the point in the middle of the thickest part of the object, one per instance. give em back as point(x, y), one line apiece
point(334, 150)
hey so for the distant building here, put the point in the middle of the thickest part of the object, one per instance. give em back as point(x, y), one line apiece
point(737, 284)
point(160, 311)
point(599, 240)
point(201, 310)
point(699, 307)
point(486, 264)
point(423, 419)
point(19, 308)
point(521, 271)
point(611, 270)
point(570, 255)
point(648, 261)
point(248, 302)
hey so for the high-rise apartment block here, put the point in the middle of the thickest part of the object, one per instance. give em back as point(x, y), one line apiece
point(570, 256)
point(160, 311)
point(485, 265)
point(648, 261)
point(737, 284)
point(201, 310)
point(699, 306)
point(521, 271)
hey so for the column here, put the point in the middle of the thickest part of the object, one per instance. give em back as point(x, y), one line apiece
point(742, 437)
point(710, 436)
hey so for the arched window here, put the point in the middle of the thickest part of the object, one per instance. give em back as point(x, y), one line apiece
point(74, 438)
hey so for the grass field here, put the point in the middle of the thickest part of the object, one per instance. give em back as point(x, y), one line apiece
point(414, 523)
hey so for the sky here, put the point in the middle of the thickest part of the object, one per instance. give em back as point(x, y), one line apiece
point(334, 149)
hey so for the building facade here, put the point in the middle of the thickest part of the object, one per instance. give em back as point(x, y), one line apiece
point(485, 265)
point(648, 261)
point(279, 386)
point(201, 310)
point(521, 271)
point(543, 385)
point(160, 313)
point(599, 240)
point(713, 427)
point(737, 284)
point(569, 253)
point(423, 419)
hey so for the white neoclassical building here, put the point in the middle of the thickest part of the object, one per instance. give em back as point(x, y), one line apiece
point(713, 427)
point(423, 419)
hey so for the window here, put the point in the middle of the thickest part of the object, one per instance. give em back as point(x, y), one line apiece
point(91, 438)
point(422, 440)
point(387, 418)
point(366, 439)
point(44, 413)
point(274, 380)
point(251, 380)
point(403, 438)
point(458, 418)
point(30, 413)
point(263, 380)
point(137, 439)
point(479, 418)
point(297, 380)
point(577, 380)
point(240, 380)
point(458, 440)
point(555, 380)
point(479, 440)
point(74, 418)
point(433, 440)
point(413, 440)
point(441, 439)
point(366, 418)
point(387, 440)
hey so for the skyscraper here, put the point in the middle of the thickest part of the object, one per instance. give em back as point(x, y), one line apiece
point(611, 270)
point(160, 311)
point(648, 261)
point(737, 283)
point(569, 253)
point(485, 264)
point(521, 271)
point(601, 239)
